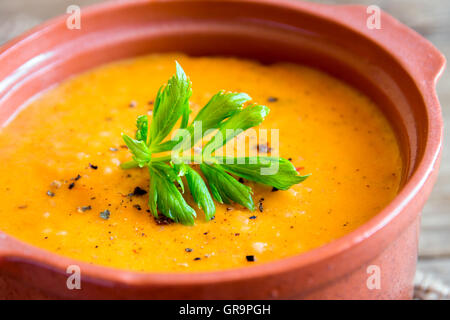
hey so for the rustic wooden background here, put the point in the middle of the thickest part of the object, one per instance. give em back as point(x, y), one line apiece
point(431, 18)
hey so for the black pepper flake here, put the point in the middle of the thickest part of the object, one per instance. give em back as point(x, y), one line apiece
point(133, 104)
point(241, 180)
point(188, 250)
point(237, 234)
point(250, 258)
point(252, 217)
point(260, 207)
point(274, 189)
point(105, 214)
point(197, 258)
point(113, 149)
point(92, 166)
point(290, 159)
point(71, 185)
point(78, 177)
point(162, 220)
point(137, 207)
point(84, 208)
point(138, 192)
point(272, 99)
point(50, 194)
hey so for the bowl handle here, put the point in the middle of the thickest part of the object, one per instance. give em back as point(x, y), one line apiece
point(419, 56)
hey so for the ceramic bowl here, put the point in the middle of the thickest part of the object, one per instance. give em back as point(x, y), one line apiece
point(394, 65)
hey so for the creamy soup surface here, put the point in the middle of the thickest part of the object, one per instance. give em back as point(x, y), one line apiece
point(60, 161)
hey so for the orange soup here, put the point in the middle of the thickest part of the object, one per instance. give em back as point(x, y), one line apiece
point(61, 154)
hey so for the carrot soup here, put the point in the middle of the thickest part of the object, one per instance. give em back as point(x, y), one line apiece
point(63, 189)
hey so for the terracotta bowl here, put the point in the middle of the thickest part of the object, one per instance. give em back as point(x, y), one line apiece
point(394, 65)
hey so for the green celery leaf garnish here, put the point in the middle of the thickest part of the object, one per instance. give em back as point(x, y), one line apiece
point(220, 107)
point(171, 103)
point(167, 199)
point(139, 150)
point(142, 128)
point(249, 117)
point(200, 192)
point(225, 114)
point(250, 168)
point(225, 188)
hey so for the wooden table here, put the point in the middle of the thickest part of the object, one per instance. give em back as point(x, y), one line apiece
point(431, 18)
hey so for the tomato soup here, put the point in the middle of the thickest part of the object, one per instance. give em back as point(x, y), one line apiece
point(60, 169)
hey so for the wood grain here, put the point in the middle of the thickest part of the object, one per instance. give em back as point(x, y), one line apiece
point(429, 18)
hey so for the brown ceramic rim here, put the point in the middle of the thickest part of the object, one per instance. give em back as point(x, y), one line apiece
point(19, 251)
